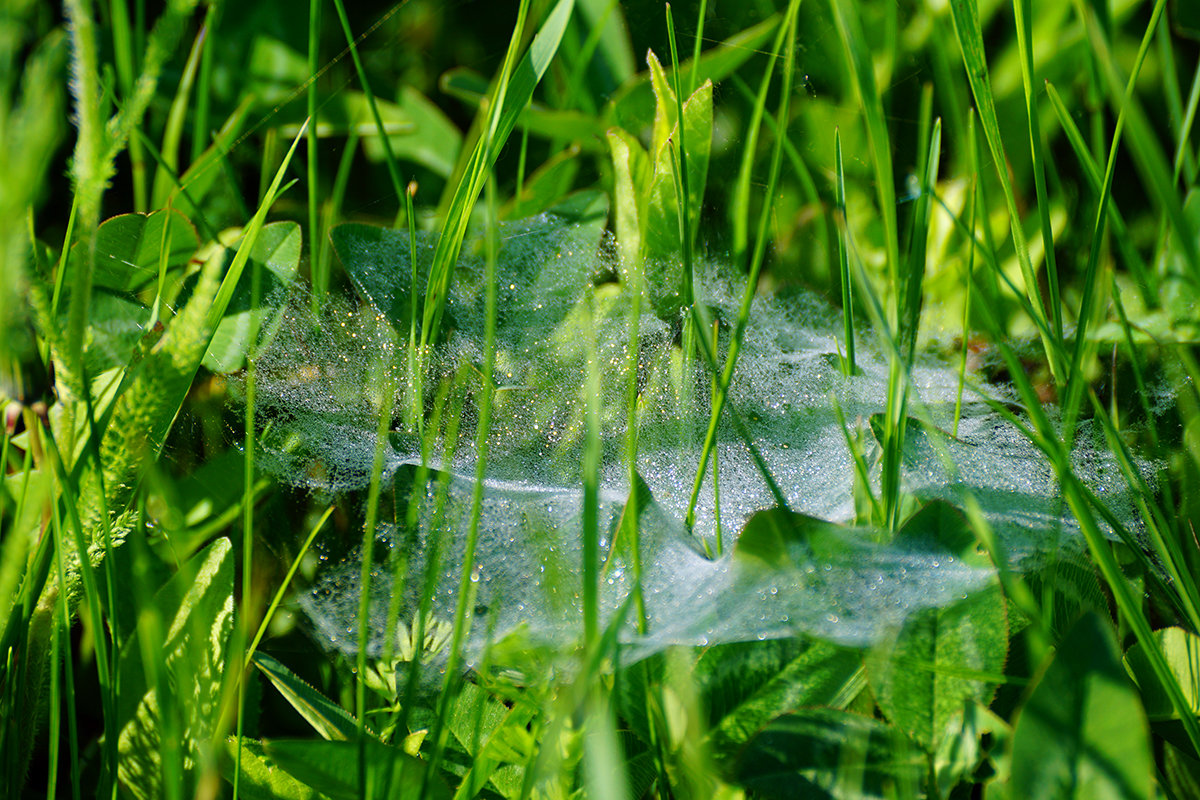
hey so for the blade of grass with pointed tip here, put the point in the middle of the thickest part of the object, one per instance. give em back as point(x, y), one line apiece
point(173, 131)
point(316, 242)
point(683, 195)
point(862, 71)
point(327, 718)
point(739, 208)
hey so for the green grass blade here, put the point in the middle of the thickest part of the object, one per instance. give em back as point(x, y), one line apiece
point(862, 70)
point(1185, 130)
point(1143, 141)
point(513, 91)
point(1091, 171)
point(173, 132)
point(739, 208)
point(316, 241)
point(748, 293)
point(389, 157)
point(463, 611)
point(1086, 311)
point(1023, 12)
point(683, 194)
point(970, 41)
point(844, 253)
point(327, 718)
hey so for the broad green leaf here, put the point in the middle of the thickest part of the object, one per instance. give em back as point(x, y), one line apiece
point(616, 48)
point(331, 768)
point(435, 141)
point(751, 683)
point(261, 778)
point(491, 734)
point(196, 610)
point(117, 323)
point(277, 254)
point(825, 753)
point(1182, 651)
point(933, 666)
point(131, 248)
point(143, 413)
point(418, 131)
point(1181, 772)
point(784, 539)
point(924, 676)
point(378, 263)
point(327, 718)
point(1082, 732)
point(963, 747)
point(378, 260)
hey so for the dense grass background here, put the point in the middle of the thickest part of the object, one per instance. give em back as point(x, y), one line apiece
point(980, 182)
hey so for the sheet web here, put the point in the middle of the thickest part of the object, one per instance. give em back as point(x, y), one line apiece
point(321, 388)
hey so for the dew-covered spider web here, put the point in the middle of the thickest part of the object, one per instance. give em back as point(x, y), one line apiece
point(564, 298)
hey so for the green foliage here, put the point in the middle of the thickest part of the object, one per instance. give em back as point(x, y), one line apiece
point(171, 691)
point(507, 380)
point(1082, 731)
point(823, 752)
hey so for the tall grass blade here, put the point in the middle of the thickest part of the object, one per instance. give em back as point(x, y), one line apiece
point(1091, 278)
point(680, 162)
point(756, 263)
point(513, 91)
point(970, 42)
point(1023, 12)
point(844, 253)
point(862, 71)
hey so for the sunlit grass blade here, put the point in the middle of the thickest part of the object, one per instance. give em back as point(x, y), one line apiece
point(680, 162)
point(1023, 12)
point(739, 208)
point(1143, 142)
point(756, 261)
point(513, 90)
point(844, 253)
point(1121, 235)
point(970, 40)
point(1185, 130)
point(862, 71)
point(1091, 278)
point(389, 157)
point(316, 239)
point(914, 274)
point(94, 600)
point(463, 611)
